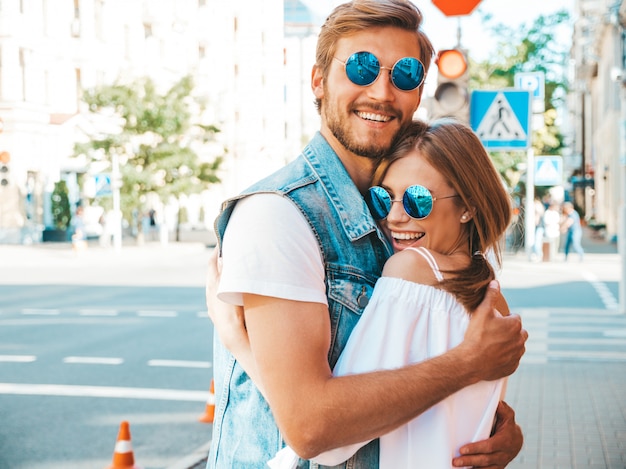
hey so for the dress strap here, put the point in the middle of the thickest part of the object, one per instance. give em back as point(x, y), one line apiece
point(426, 254)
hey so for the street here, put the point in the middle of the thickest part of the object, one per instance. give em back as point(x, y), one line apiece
point(93, 338)
point(87, 344)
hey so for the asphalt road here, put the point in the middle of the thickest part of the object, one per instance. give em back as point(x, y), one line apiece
point(90, 339)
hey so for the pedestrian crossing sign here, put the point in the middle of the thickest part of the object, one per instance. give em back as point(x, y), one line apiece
point(103, 184)
point(501, 118)
point(548, 170)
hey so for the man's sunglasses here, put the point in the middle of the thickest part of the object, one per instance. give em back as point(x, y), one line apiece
point(417, 202)
point(363, 68)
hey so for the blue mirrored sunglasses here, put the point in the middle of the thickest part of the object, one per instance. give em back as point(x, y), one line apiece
point(363, 68)
point(417, 202)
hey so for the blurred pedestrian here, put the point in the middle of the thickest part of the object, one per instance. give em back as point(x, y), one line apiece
point(552, 228)
point(79, 236)
point(573, 231)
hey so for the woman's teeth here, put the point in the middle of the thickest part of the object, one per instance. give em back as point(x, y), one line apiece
point(406, 236)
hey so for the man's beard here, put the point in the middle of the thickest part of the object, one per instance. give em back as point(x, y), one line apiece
point(346, 136)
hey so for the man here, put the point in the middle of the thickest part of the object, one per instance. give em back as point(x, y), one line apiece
point(301, 254)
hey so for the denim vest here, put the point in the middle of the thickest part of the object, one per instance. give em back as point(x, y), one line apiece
point(245, 434)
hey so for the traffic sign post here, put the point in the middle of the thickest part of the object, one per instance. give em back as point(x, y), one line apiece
point(548, 170)
point(501, 119)
point(456, 7)
point(535, 82)
point(102, 182)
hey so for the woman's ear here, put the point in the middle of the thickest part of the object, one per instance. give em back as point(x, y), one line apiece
point(468, 215)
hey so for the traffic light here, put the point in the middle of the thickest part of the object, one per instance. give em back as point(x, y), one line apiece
point(5, 157)
point(452, 95)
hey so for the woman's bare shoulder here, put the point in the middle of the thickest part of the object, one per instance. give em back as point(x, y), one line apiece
point(410, 265)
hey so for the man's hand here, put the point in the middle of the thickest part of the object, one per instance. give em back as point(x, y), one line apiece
point(495, 344)
point(499, 450)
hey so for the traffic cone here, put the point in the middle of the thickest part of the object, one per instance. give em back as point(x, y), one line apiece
point(123, 457)
point(209, 410)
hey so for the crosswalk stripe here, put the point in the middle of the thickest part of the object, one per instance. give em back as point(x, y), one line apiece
point(575, 334)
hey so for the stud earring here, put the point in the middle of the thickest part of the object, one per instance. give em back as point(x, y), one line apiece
point(463, 217)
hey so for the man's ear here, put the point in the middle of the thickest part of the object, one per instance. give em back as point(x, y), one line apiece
point(317, 82)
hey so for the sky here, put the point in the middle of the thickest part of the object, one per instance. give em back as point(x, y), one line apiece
point(442, 30)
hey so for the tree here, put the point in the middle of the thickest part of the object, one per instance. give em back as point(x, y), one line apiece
point(531, 48)
point(61, 213)
point(161, 145)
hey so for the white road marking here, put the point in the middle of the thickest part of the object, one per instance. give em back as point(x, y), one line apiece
point(610, 302)
point(157, 314)
point(103, 391)
point(18, 358)
point(43, 312)
point(94, 360)
point(179, 363)
point(98, 312)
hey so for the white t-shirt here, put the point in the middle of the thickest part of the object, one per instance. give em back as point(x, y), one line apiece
point(269, 249)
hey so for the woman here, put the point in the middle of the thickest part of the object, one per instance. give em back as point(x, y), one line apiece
point(442, 205)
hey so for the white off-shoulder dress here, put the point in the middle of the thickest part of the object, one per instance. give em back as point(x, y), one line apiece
point(404, 323)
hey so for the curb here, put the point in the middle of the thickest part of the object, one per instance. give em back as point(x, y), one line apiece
point(195, 460)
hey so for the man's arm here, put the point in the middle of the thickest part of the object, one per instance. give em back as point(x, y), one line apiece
point(317, 412)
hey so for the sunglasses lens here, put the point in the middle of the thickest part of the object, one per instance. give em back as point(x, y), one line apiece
point(408, 73)
point(379, 202)
point(418, 202)
point(362, 68)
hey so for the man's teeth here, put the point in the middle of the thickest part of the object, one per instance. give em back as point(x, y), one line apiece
point(405, 236)
point(373, 117)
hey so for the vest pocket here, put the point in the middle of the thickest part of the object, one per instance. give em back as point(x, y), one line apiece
point(349, 292)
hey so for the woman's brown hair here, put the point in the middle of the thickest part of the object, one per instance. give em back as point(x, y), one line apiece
point(454, 150)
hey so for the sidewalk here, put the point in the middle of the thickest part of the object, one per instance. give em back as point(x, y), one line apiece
point(151, 264)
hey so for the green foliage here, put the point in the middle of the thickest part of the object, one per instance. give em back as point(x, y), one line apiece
point(61, 213)
point(531, 48)
point(157, 140)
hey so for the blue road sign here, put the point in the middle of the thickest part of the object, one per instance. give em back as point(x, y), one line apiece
point(548, 170)
point(501, 119)
point(535, 82)
point(103, 184)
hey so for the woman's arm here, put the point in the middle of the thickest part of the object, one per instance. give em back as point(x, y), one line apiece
point(229, 323)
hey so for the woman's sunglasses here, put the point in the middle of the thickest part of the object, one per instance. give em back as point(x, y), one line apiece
point(363, 68)
point(417, 202)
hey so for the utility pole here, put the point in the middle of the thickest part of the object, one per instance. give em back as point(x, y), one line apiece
point(116, 182)
point(618, 74)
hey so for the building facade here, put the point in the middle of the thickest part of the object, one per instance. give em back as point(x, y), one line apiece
point(52, 50)
point(597, 106)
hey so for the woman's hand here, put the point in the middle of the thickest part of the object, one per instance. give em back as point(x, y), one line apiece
point(228, 319)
